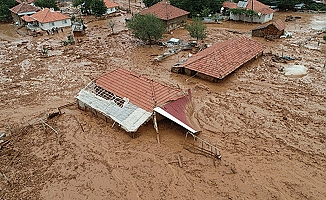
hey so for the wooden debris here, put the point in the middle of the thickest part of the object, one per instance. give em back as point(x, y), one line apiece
point(180, 162)
point(57, 133)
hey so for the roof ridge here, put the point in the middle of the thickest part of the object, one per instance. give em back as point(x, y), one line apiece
point(48, 10)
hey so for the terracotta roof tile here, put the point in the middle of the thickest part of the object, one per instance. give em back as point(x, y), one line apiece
point(165, 11)
point(46, 15)
point(230, 5)
point(223, 58)
point(25, 1)
point(252, 5)
point(140, 91)
point(259, 7)
point(23, 8)
point(279, 24)
point(110, 4)
point(27, 18)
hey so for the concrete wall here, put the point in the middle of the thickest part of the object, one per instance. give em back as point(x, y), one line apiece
point(112, 10)
point(59, 24)
point(175, 23)
point(256, 19)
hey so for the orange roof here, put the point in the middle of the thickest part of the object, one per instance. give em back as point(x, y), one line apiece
point(25, 1)
point(46, 15)
point(223, 58)
point(144, 93)
point(23, 8)
point(251, 5)
point(259, 7)
point(228, 4)
point(110, 4)
point(279, 24)
point(27, 18)
point(164, 11)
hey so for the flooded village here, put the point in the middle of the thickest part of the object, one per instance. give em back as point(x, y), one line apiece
point(88, 111)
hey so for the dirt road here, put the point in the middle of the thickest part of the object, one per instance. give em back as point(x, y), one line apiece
point(270, 128)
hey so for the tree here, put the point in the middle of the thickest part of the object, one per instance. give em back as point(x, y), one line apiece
point(98, 7)
point(196, 7)
point(146, 27)
point(5, 5)
point(197, 29)
point(149, 3)
point(47, 4)
point(111, 24)
point(85, 5)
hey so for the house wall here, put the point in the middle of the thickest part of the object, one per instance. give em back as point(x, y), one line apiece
point(200, 75)
point(175, 23)
point(255, 19)
point(59, 24)
point(269, 31)
point(112, 10)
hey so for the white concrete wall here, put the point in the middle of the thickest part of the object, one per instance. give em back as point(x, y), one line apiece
point(112, 10)
point(262, 19)
point(59, 24)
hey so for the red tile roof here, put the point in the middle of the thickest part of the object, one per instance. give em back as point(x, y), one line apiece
point(230, 5)
point(223, 58)
point(279, 24)
point(23, 8)
point(25, 1)
point(259, 7)
point(46, 15)
point(27, 18)
point(165, 11)
point(251, 5)
point(144, 93)
point(110, 4)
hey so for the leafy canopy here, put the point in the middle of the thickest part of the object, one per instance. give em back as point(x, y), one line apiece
point(47, 4)
point(149, 3)
point(197, 29)
point(5, 5)
point(199, 7)
point(98, 7)
point(146, 27)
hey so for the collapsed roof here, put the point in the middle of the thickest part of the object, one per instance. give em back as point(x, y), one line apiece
point(130, 99)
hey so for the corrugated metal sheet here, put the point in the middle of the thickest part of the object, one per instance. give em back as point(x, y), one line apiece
point(223, 58)
point(130, 116)
point(144, 93)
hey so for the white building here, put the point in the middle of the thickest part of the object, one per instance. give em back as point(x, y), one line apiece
point(47, 19)
point(111, 7)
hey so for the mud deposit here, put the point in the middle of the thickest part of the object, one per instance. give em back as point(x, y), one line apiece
point(271, 128)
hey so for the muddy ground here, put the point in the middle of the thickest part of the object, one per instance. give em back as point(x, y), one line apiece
point(270, 128)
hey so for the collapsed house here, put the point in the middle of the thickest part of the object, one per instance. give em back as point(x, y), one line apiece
point(221, 59)
point(270, 31)
point(132, 100)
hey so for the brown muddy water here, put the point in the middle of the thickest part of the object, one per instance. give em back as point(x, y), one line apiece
point(270, 128)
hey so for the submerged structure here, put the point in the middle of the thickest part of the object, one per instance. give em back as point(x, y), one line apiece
point(270, 31)
point(132, 100)
point(221, 59)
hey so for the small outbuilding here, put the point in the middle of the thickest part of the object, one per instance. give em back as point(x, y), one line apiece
point(22, 10)
point(271, 31)
point(131, 100)
point(171, 16)
point(221, 59)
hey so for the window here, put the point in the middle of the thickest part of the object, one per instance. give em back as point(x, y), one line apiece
point(52, 24)
point(64, 22)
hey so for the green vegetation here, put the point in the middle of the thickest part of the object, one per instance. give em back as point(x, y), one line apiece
point(47, 4)
point(146, 27)
point(197, 29)
point(149, 3)
point(324, 37)
point(98, 7)
point(198, 7)
point(5, 5)
point(85, 5)
point(239, 11)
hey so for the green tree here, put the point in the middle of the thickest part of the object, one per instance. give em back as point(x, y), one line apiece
point(85, 5)
point(98, 7)
point(47, 4)
point(146, 27)
point(197, 29)
point(149, 3)
point(5, 5)
point(196, 7)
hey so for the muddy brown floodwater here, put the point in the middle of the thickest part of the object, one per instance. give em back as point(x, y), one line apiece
point(271, 128)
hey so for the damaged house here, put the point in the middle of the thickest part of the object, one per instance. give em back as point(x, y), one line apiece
point(270, 31)
point(132, 100)
point(221, 59)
